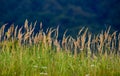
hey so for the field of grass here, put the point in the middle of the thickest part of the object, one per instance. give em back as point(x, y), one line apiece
point(23, 53)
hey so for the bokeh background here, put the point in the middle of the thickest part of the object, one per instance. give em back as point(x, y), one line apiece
point(67, 14)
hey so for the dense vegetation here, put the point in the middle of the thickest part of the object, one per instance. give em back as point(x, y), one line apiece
point(68, 13)
point(35, 60)
point(25, 53)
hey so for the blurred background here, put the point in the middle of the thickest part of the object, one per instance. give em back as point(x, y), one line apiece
point(67, 14)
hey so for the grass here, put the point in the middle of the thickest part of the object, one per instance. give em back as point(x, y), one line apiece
point(18, 60)
point(28, 54)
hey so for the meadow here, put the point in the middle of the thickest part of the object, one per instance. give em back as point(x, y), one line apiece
point(25, 53)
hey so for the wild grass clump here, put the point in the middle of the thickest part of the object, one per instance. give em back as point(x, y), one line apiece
point(25, 53)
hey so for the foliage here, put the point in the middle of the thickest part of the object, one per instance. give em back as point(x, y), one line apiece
point(93, 14)
point(25, 53)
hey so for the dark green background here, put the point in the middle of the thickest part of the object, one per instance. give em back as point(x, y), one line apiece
point(68, 14)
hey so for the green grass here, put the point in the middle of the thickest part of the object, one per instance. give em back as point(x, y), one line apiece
point(35, 60)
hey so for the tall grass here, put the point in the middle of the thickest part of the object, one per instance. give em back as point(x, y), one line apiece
point(25, 53)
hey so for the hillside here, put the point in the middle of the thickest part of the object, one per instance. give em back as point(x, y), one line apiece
point(68, 14)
